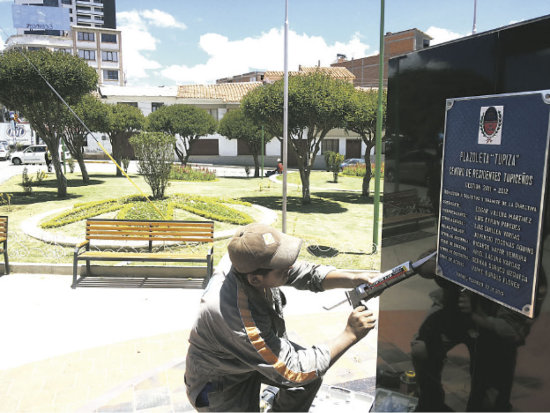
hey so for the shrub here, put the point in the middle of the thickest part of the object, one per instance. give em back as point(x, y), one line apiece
point(146, 211)
point(26, 181)
point(155, 153)
point(333, 161)
point(71, 164)
point(187, 173)
point(40, 176)
point(355, 170)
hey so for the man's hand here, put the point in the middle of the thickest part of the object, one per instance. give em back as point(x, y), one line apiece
point(360, 322)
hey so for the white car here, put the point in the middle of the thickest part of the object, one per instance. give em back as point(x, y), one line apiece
point(32, 154)
point(4, 152)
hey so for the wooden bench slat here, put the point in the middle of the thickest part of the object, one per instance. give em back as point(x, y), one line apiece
point(148, 231)
point(152, 229)
point(140, 255)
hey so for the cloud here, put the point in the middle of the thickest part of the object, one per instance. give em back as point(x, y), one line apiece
point(441, 35)
point(264, 52)
point(136, 42)
point(160, 18)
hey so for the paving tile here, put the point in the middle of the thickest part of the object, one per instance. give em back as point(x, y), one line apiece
point(153, 397)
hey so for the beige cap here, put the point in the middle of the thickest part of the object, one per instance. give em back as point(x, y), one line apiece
point(258, 246)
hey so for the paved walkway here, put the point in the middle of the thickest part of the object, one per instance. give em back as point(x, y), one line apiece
point(123, 349)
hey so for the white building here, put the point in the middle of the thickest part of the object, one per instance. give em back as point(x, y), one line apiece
point(218, 99)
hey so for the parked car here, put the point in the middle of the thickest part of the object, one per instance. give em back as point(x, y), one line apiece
point(352, 162)
point(33, 154)
point(4, 151)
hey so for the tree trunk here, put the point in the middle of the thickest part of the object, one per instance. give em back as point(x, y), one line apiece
point(304, 176)
point(256, 165)
point(83, 170)
point(179, 154)
point(61, 180)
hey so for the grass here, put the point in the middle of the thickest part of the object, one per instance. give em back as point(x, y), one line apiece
point(342, 220)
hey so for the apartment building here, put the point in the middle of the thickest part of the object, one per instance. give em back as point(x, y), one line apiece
point(86, 13)
point(366, 69)
point(91, 34)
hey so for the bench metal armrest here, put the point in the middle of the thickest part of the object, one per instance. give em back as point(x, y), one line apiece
point(82, 244)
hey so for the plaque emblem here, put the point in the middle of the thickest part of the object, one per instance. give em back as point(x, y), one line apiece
point(490, 125)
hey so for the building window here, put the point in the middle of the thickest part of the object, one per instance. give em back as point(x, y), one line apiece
point(83, 8)
point(86, 36)
point(68, 51)
point(86, 54)
point(66, 2)
point(330, 145)
point(205, 147)
point(31, 48)
point(111, 75)
point(109, 56)
point(108, 38)
point(156, 105)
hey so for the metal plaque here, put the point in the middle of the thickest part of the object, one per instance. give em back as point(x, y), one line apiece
point(492, 194)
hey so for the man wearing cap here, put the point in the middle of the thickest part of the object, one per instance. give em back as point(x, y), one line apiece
point(239, 340)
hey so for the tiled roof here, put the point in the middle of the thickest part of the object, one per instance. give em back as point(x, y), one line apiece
point(335, 72)
point(226, 92)
point(116, 90)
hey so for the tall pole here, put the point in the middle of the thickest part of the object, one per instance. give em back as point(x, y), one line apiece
point(285, 119)
point(378, 145)
point(475, 14)
point(262, 152)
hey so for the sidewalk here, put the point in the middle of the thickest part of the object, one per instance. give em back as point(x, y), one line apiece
point(123, 349)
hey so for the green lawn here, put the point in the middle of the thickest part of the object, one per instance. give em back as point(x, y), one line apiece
point(339, 219)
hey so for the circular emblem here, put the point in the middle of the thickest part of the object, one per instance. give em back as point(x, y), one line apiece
point(490, 123)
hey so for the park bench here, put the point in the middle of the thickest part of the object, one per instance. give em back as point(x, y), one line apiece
point(4, 242)
point(400, 213)
point(132, 237)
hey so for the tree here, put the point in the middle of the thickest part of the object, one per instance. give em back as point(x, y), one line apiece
point(187, 123)
point(95, 115)
point(316, 104)
point(124, 121)
point(333, 161)
point(235, 125)
point(155, 153)
point(23, 76)
point(361, 119)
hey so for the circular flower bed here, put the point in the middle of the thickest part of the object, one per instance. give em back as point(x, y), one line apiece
point(137, 207)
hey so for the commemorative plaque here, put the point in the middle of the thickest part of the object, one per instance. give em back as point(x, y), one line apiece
point(493, 182)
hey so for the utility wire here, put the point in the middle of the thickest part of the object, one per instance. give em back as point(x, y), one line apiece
point(87, 129)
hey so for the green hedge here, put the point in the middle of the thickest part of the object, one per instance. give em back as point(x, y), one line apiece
point(87, 210)
point(136, 207)
point(146, 211)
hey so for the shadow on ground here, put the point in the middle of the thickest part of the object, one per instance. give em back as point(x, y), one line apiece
point(36, 197)
point(347, 197)
point(294, 204)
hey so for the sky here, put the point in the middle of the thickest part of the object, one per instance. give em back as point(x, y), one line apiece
point(169, 42)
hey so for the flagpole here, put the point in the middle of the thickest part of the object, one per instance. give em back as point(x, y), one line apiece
point(378, 139)
point(285, 119)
